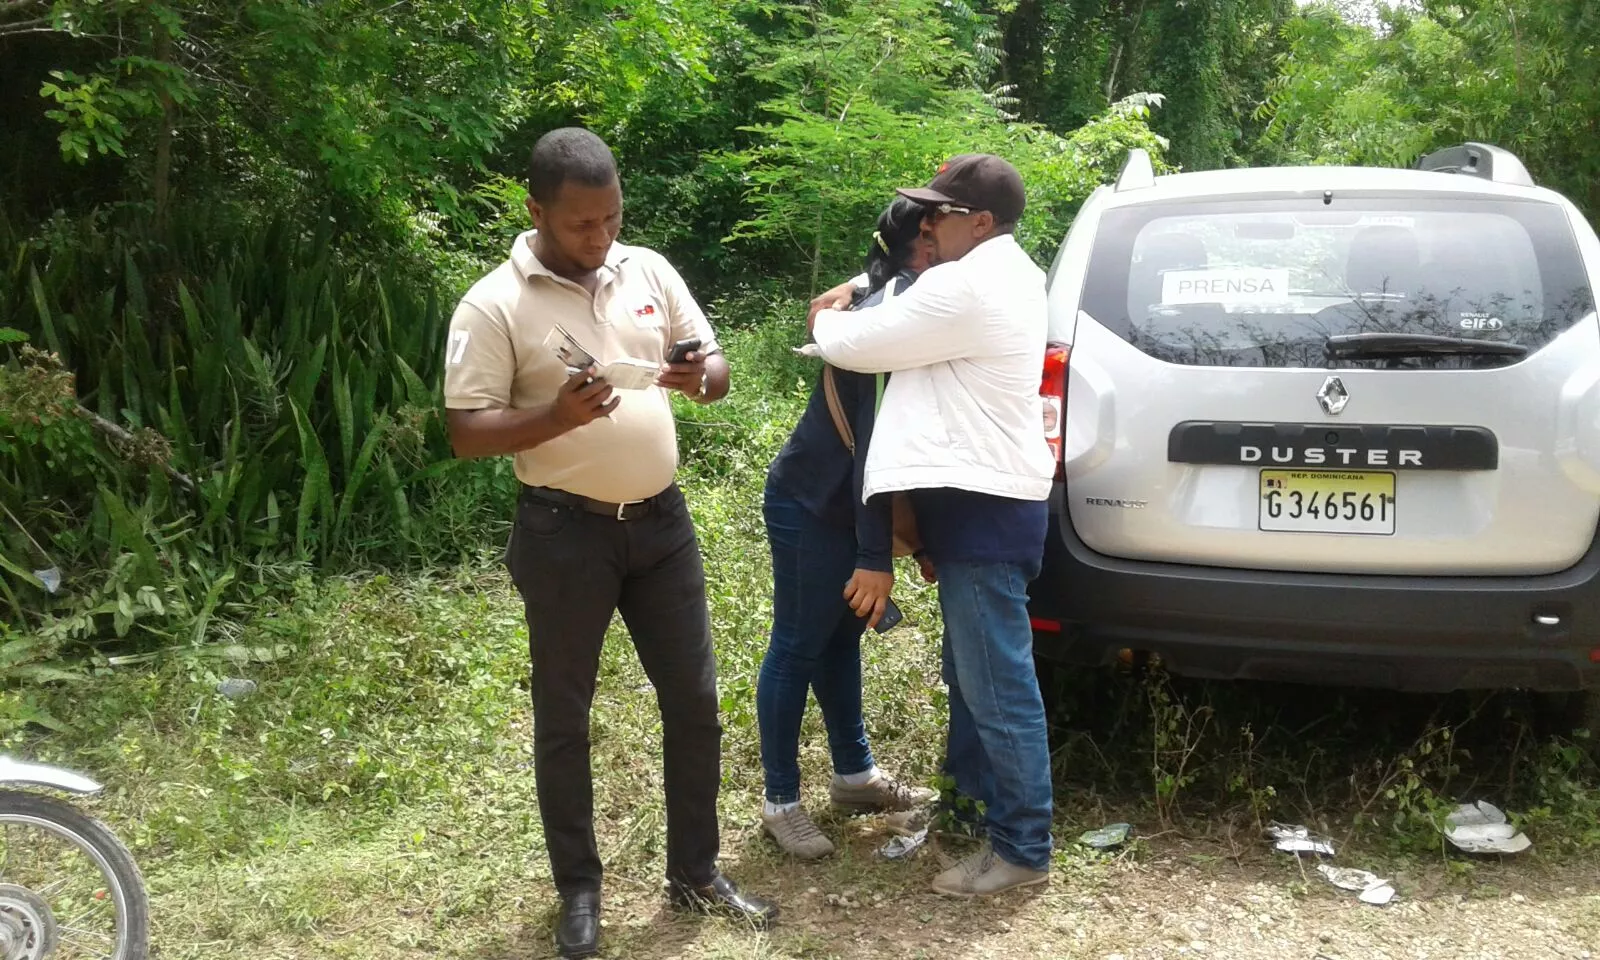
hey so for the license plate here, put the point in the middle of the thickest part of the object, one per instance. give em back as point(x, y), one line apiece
point(1326, 501)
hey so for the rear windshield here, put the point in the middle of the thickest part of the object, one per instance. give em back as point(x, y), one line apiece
point(1265, 283)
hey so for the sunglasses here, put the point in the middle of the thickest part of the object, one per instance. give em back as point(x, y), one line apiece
point(945, 209)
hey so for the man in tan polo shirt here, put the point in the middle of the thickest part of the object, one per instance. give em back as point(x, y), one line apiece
point(600, 525)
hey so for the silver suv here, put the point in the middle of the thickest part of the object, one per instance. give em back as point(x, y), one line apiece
point(1336, 425)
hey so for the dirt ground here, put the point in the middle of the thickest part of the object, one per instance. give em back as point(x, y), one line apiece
point(1175, 900)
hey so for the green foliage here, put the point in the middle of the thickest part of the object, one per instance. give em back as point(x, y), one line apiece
point(736, 440)
point(1069, 61)
point(1343, 98)
point(381, 113)
point(868, 105)
point(1061, 172)
point(817, 185)
point(824, 210)
point(26, 663)
point(1516, 73)
point(271, 403)
point(96, 112)
point(1187, 58)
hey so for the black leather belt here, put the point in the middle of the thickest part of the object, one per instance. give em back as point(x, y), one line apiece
point(629, 510)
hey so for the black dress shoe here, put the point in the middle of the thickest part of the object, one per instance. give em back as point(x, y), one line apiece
point(721, 897)
point(578, 927)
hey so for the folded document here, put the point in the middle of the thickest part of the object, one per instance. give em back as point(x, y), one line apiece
point(627, 373)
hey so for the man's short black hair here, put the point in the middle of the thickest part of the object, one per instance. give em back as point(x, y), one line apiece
point(570, 153)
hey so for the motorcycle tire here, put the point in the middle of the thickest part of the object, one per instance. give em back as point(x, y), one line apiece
point(135, 920)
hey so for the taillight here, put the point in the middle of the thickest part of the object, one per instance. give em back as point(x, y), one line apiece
point(1053, 390)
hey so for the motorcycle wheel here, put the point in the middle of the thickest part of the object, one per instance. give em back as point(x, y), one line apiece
point(69, 889)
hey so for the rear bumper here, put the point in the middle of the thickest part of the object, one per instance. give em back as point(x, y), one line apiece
point(1409, 633)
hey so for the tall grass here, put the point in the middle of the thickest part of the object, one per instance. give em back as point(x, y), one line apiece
point(191, 415)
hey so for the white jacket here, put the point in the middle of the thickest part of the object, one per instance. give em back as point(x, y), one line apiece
point(966, 346)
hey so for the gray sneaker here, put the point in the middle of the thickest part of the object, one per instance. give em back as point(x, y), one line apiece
point(881, 794)
point(985, 874)
point(796, 834)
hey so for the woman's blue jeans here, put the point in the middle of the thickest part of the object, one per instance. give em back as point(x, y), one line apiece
point(815, 644)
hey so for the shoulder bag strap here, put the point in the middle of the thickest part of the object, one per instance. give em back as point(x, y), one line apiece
point(830, 390)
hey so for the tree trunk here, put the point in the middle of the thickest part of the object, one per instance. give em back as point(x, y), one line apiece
point(161, 176)
point(1124, 45)
point(816, 252)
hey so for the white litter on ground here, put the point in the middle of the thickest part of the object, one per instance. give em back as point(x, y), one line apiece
point(1483, 828)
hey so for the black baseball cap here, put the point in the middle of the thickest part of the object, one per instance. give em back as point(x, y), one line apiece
point(976, 181)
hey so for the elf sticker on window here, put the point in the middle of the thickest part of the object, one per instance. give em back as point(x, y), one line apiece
point(1224, 286)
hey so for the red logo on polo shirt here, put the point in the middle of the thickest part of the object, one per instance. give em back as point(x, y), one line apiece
point(648, 310)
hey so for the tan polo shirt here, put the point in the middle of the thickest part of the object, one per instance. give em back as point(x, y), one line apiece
point(495, 357)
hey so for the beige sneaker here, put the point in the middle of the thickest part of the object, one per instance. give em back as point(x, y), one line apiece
point(796, 834)
point(881, 794)
point(984, 874)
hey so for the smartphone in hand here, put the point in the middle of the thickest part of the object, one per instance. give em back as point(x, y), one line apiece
point(891, 617)
point(681, 350)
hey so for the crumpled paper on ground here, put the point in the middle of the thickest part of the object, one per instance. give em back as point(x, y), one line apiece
point(1297, 839)
point(1371, 888)
point(903, 848)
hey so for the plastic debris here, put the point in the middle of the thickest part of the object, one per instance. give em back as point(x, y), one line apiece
point(236, 688)
point(50, 579)
point(1371, 888)
point(1482, 827)
point(1114, 835)
point(1297, 839)
point(904, 848)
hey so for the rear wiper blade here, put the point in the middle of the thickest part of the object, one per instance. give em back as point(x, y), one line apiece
point(1356, 345)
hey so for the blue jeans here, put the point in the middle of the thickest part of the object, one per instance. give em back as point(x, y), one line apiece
point(815, 643)
point(998, 750)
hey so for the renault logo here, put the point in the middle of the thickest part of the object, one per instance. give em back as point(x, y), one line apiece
point(1333, 396)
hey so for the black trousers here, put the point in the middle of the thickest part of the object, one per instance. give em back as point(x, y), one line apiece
point(574, 569)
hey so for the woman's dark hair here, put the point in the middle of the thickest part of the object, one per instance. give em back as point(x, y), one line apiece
point(898, 228)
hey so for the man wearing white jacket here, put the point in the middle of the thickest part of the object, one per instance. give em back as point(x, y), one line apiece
point(960, 430)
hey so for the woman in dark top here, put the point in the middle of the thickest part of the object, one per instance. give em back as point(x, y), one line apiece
point(830, 570)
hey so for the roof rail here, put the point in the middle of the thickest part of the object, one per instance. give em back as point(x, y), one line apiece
point(1137, 171)
point(1479, 160)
